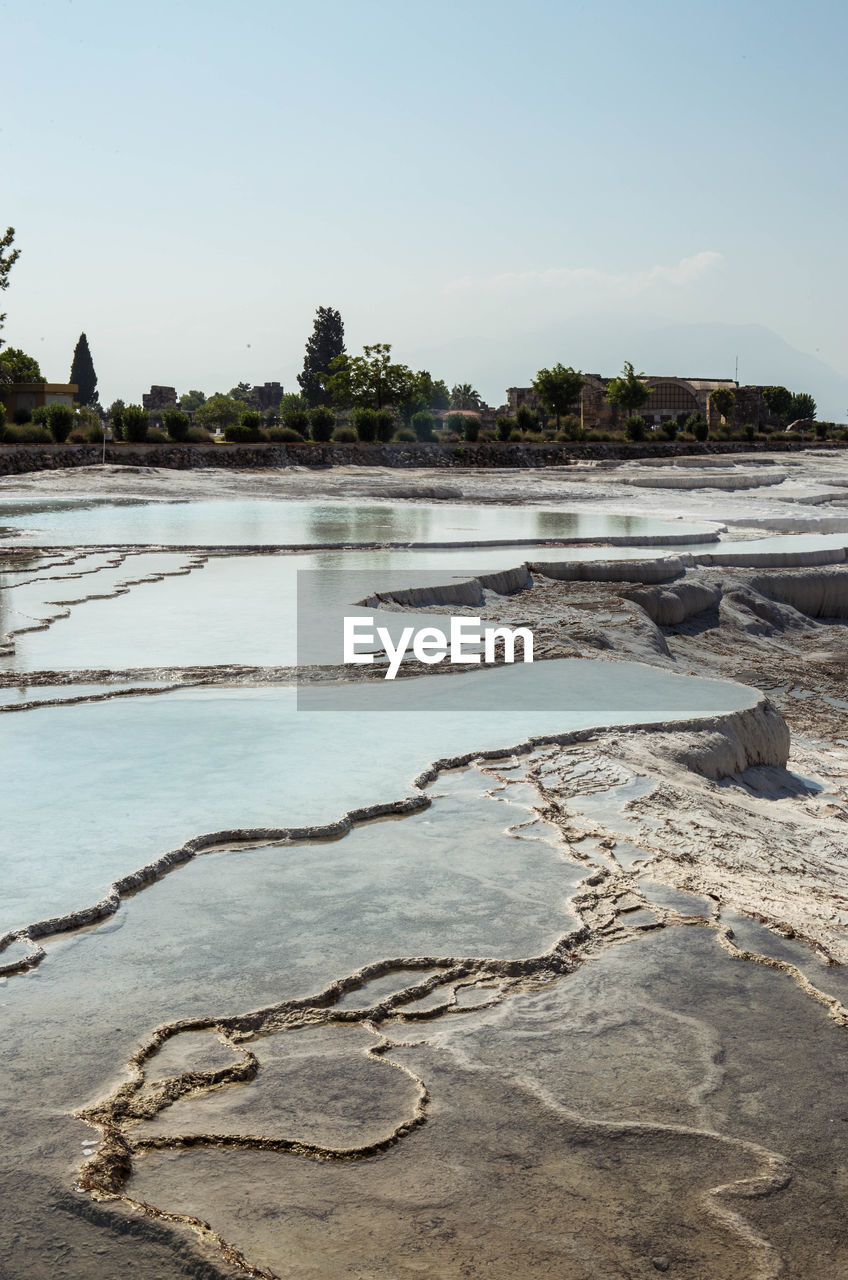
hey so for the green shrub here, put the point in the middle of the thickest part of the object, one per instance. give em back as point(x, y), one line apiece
point(700, 431)
point(634, 429)
point(41, 415)
point(284, 435)
point(321, 423)
point(405, 435)
point(78, 436)
point(135, 423)
point(347, 435)
point(60, 420)
point(422, 425)
point(749, 431)
point(91, 434)
point(516, 436)
point(27, 433)
point(669, 429)
point(21, 417)
point(455, 422)
point(176, 424)
point(505, 427)
point(247, 431)
point(296, 419)
point(572, 428)
point(198, 435)
point(155, 436)
point(472, 428)
point(244, 433)
point(821, 430)
point(364, 424)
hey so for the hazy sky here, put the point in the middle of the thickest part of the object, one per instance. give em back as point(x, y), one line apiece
point(189, 181)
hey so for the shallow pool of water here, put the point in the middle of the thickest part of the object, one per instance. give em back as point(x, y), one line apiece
point(96, 790)
point(243, 522)
point(233, 609)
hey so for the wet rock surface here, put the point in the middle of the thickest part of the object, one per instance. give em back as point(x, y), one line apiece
point(615, 1040)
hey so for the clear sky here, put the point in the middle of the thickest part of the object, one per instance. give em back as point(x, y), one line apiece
point(490, 185)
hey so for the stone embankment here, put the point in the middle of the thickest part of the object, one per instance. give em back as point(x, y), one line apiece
point(15, 459)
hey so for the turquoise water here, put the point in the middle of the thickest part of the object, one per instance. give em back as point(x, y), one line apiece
point(241, 522)
point(263, 924)
point(96, 790)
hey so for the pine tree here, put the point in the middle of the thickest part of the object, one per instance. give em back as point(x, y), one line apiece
point(82, 373)
point(325, 343)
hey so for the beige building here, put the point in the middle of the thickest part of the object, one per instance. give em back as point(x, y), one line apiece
point(671, 399)
point(32, 395)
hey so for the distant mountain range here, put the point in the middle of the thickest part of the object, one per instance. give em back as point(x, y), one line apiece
point(702, 350)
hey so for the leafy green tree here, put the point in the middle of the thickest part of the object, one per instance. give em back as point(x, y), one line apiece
point(291, 400)
point(439, 398)
point(82, 372)
point(410, 394)
point(778, 401)
point(60, 420)
point(177, 424)
point(558, 389)
point(723, 400)
point(628, 391)
point(219, 411)
point(115, 414)
point(8, 258)
point(321, 424)
point(369, 381)
point(324, 345)
point(463, 396)
point(17, 366)
point(803, 406)
point(191, 400)
point(241, 391)
point(434, 394)
point(135, 423)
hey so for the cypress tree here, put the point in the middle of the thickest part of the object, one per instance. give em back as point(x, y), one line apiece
point(325, 343)
point(82, 372)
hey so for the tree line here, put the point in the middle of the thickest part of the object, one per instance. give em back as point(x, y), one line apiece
point(367, 397)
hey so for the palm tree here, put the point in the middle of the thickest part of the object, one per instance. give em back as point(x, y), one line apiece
point(463, 396)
